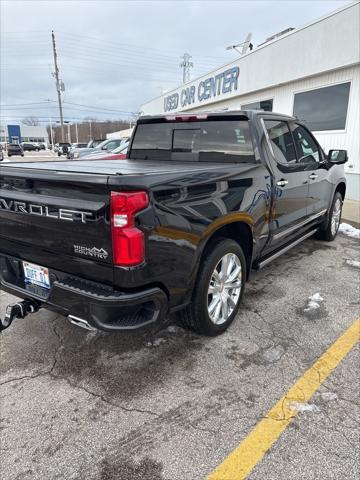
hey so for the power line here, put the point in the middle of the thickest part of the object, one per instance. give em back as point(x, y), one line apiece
point(102, 108)
point(108, 51)
point(126, 45)
point(22, 104)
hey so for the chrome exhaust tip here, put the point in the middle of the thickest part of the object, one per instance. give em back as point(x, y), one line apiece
point(80, 322)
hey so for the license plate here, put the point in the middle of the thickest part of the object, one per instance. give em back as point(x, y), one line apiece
point(36, 275)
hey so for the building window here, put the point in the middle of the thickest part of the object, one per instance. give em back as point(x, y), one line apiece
point(323, 108)
point(266, 105)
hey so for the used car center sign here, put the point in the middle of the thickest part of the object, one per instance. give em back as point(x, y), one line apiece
point(224, 82)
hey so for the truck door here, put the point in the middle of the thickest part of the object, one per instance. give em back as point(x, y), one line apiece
point(310, 153)
point(290, 184)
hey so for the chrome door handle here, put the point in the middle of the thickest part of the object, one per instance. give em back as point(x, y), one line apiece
point(282, 183)
point(313, 176)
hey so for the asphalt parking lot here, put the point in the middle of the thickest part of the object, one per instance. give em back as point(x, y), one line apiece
point(41, 156)
point(172, 405)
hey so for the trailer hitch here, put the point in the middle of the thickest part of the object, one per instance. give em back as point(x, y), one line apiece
point(18, 310)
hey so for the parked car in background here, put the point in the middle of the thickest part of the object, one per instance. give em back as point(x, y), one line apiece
point(79, 145)
point(42, 146)
point(117, 154)
point(107, 145)
point(94, 143)
point(14, 149)
point(63, 148)
point(30, 147)
point(74, 146)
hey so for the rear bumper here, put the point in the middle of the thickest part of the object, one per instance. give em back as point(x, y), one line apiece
point(100, 305)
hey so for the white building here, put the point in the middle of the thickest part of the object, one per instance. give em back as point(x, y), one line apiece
point(17, 133)
point(120, 134)
point(312, 72)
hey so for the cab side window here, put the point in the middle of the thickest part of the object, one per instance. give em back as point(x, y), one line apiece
point(306, 146)
point(281, 141)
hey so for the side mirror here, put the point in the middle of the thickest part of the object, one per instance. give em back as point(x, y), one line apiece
point(338, 156)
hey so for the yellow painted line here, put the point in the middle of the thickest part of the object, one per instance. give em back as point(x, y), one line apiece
point(242, 460)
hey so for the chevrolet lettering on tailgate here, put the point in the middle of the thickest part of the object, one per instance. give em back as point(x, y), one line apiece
point(45, 211)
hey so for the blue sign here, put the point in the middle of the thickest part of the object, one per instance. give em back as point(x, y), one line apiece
point(224, 82)
point(14, 134)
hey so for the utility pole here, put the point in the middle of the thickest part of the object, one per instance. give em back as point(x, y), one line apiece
point(59, 86)
point(76, 131)
point(186, 64)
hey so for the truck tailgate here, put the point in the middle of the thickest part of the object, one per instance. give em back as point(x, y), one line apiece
point(57, 220)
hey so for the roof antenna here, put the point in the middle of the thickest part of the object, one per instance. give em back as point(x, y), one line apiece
point(246, 45)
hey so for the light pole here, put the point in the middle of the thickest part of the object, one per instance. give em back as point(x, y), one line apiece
point(69, 132)
point(51, 135)
point(68, 125)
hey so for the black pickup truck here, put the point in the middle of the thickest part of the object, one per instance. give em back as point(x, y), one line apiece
point(176, 227)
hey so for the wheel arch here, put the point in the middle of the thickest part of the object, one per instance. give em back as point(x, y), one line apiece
point(239, 231)
point(341, 188)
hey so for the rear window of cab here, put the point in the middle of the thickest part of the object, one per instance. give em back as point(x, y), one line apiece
point(227, 141)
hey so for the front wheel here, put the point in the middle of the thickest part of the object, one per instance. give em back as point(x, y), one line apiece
point(218, 291)
point(329, 230)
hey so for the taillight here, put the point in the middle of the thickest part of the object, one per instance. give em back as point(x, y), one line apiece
point(127, 240)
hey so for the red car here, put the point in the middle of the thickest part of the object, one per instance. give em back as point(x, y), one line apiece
point(118, 154)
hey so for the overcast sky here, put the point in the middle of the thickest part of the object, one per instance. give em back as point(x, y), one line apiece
point(115, 55)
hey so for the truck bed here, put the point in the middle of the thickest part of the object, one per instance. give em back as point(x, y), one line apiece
point(109, 167)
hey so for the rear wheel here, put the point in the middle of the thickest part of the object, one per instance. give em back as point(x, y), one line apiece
point(218, 291)
point(329, 231)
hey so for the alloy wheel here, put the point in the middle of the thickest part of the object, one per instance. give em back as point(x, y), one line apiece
point(336, 215)
point(224, 288)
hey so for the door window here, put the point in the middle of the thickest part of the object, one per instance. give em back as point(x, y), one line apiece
point(306, 147)
point(281, 141)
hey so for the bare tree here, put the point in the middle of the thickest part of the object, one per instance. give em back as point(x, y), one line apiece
point(98, 129)
point(30, 120)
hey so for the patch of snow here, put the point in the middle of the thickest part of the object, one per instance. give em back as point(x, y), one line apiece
point(349, 230)
point(314, 302)
point(274, 354)
point(353, 263)
point(156, 343)
point(316, 297)
point(328, 396)
point(304, 407)
point(312, 306)
point(172, 329)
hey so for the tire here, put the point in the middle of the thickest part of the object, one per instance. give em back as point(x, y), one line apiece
point(329, 229)
point(196, 316)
